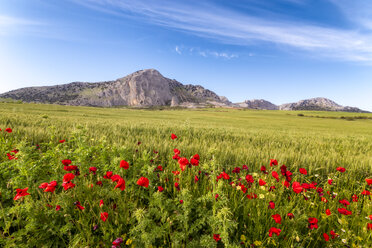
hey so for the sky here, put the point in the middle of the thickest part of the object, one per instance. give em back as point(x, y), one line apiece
point(279, 50)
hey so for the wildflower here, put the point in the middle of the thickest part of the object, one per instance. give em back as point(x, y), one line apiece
point(176, 151)
point(196, 179)
point(297, 188)
point(366, 192)
point(66, 162)
point(100, 203)
point(62, 141)
point(143, 181)
point(236, 170)
point(21, 193)
point(194, 162)
point(277, 218)
point(108, 175)
point(177, 185)
point(333, 234)
point(117, 242)
point(290, 215)
point(121, 184)
point(181, 201)
point(68, 177)
point(68, 185)
point(58, 207)
point(341, 169)
point(369, 181)
point(344, 211)
point(124, 164)
point(263, 169)
point(93, 170)
point(323, 199)
point(249, 179)
point(225, 175)
point(274, 230)
point(175, 173)
point(173, 136)
point(369, 226)
point(286, 183)
point(104, 216)
point(344, 241)
point(313, 223)
point(273, 162)
point(330, 181)
point(70, 167)
point(129, 242)
point(160, 189)
point(8, 130)
point(183, 162)
point(196, 156)
point(326, 237)
point(216, 196)
point(344, 202)
point(51, 187)
point(244, 167)
point(261, 182)
point(328, 212)
point(77, 204)
point(275, 175)
point(216, 237)
point(303, 171)
point(271, 205)
point(159, 168)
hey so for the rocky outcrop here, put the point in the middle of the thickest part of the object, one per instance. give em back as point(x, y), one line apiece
point(319, 104)
point(142, 88)
point(258, 104)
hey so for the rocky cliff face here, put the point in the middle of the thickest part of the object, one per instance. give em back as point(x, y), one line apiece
point(141, 88)
point(258, 104)
point(318, 104)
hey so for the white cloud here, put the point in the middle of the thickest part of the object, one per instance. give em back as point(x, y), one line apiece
point(204, 52)
point(227, 26)
point(178, 50)
point(9, 24)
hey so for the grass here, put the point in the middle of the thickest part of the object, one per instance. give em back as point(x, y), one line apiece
point(202, 207)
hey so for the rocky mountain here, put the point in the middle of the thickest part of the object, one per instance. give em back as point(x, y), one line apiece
point(257, 104)
point(141, 88)
point(318, 104)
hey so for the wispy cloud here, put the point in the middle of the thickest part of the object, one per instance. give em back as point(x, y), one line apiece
point(209, 20)
point(10, 24)
point(204, 52)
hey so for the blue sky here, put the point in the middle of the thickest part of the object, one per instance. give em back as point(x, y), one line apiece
point(278, 50)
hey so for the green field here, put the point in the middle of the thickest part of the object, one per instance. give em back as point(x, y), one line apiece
point(201, 208)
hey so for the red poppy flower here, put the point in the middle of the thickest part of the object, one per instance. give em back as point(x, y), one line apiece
point(274, 230)
point(108, 175)
point(330, 181)
point(58, 207)
point(369, 226)
point(175, 173)
point(225, 175)
point(341, 169)
point(176, 157)
point(68, 185)
point(344, 211)
point(176, 151)
point(124, 164)
point(66, 162)
point(369, 181)
point(275, 175)
point(160, 189)
point(143, 181)
point(183, 162)
point(286, 183)
point(100, 203)
point(313, 223)
point(93, 170)
point(333, 234)
point(177, 185)
point(344, 202)
point(62, 141)
point(194, 162)
point(244, 167)
point(173, 136)
point(10, 156)
point(366, 192)
point(21, 193)
point(290, 215)
point(68, 177)
point(326, 237)
point(216, 196)
point(297, 188)
point(181, 201)
point(51, 187)
point(273, 162)
point(216, 237)
point(263, 169)
point(159, 168)
point(277, 218)
point(249, 179)
point(261, 182)
point(271, 205)
point(303, 171)
point(120, 184)
point(196, 179)
point(43, 185)
point(8, 130)
point(70, 167)
point(328, 212)
point(104, 216)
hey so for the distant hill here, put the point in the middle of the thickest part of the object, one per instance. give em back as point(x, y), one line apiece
point(141, 88)
point(319, 104)
point(258, 104)
point(146, 88)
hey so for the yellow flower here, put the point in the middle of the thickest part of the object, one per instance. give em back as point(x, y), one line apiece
point(243, 238)
point(238, 187)
point(262, 196)
point(129, 241)
point(257, 243)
